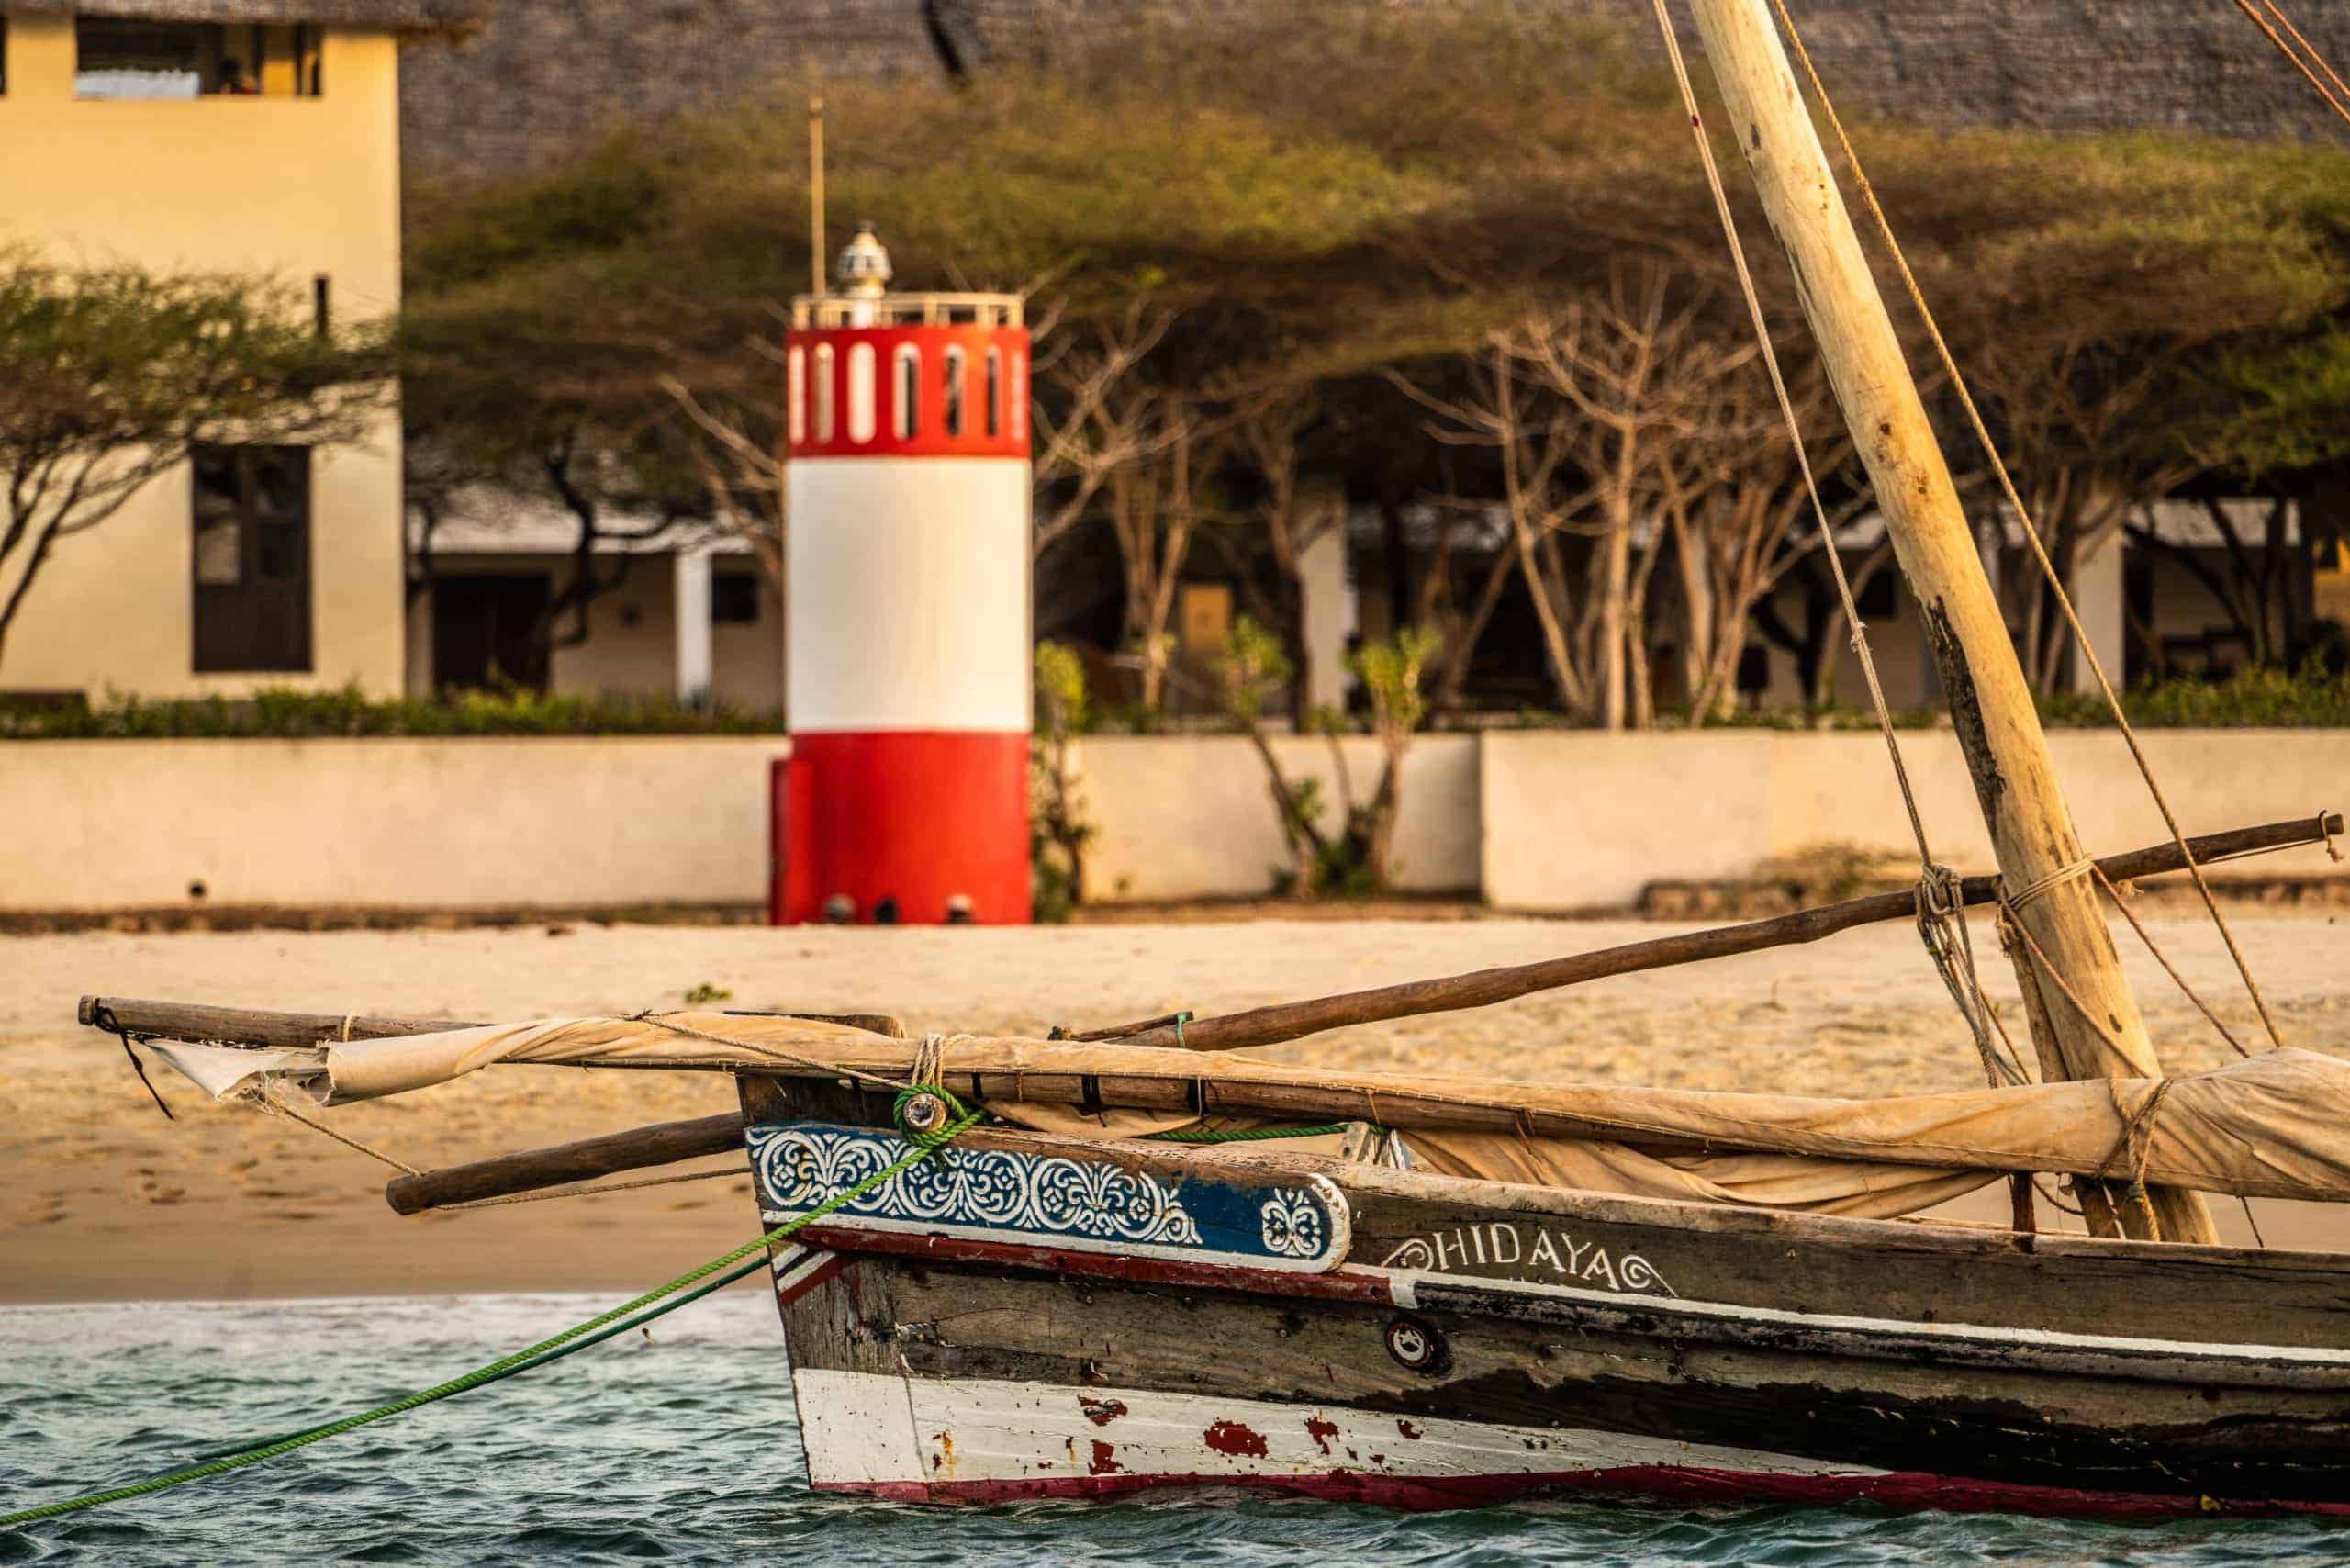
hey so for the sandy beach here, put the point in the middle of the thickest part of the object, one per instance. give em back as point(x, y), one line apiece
point(102, 1198)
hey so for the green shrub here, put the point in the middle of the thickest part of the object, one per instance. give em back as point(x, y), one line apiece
point(286, 714)
point(2310, 697)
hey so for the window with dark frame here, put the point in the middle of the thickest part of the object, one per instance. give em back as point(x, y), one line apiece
point(3, 56)
point(734, 598)
point(252, 588)
point(139, 57)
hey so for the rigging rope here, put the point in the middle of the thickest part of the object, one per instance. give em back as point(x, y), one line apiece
point(2023, 514)
point(619, 1320)
point(2340, 105)
point(1952, 953)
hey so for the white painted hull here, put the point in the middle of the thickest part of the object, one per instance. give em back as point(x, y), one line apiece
point(982, 1439)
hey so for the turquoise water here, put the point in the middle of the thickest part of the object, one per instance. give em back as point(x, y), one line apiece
point(682, 1449)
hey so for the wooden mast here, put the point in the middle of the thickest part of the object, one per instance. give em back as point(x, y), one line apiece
point(1991, 706)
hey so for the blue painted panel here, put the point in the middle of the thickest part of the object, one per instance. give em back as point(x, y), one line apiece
point(1016, 1196)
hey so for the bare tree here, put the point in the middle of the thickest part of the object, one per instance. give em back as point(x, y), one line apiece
point(741, 469)
point(1531, 440)
point(1153, 512)
point(1741, 515)
point(1093, 418)
point(2078, 417)
point(1268, 432)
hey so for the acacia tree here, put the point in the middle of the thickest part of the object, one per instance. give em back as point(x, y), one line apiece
point(522, 388)
point(109, 376)
point(1584, 406)
point(1740, 521)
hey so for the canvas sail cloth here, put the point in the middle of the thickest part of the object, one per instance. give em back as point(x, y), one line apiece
point(2275, 1126)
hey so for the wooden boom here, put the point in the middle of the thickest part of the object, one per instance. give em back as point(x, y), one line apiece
point(1483, 988)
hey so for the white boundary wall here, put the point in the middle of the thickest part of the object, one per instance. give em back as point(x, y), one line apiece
point(1580, 821)
point(1534, 820)
point(385, 823)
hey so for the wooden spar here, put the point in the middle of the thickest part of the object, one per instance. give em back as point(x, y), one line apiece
point(256, 1027)
point(1003, 1072)
point(663, 1143)
point(816, 197)
point(1484, 988)
point(1991, 705)
point(1284, 1021)
point(247, 1026)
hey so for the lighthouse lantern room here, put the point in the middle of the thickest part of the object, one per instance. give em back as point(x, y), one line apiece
point(906, 481)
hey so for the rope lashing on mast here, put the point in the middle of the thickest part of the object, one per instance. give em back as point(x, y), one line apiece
point(634, 1313)
point(1939, 908)
point(2023, 514)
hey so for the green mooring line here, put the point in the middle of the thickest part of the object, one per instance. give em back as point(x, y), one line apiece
point(577, 1338)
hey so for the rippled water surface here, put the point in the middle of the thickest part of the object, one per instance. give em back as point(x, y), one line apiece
point(683, 1449)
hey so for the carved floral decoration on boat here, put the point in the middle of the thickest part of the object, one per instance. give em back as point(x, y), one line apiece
point(1015, 1197)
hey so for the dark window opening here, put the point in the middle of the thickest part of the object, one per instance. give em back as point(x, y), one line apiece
point(484, 630)
point(1880, 597)
point(734, 598)
point(321, 306)
point(951, 413)
point(126, 58)
point(252, 558)
point(1754, 670)
point(3, 56)
point(994, 408)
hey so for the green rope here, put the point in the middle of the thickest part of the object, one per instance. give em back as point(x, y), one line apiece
point(1246, 1135)
point(602, 1327)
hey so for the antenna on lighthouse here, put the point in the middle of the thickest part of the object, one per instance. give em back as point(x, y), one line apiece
point(816, 195)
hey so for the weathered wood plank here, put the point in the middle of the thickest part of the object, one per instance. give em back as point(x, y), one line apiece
point(2008, 1425)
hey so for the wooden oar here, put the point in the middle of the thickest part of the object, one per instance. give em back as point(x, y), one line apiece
point(1285, 1021)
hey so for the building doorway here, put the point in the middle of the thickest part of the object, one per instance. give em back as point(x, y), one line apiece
point(482, 631)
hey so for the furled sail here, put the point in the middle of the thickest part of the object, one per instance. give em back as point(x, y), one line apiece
point(2277, 1125)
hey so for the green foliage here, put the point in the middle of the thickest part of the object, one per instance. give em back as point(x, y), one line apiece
point(2279, 404)
point(2255, 698)
point(1249, 667)
point(1059, 828)
point(1062, 708)
point(1390, 669)
point(286, 714)
point(701, 993)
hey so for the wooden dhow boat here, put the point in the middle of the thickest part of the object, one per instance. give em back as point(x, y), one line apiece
point(1467, 1292)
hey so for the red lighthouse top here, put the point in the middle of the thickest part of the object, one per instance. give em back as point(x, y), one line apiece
point(871, 374)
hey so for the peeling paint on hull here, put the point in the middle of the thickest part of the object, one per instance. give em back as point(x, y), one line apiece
point(975, 1440)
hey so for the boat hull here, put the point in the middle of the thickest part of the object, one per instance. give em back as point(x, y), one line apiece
point(1450, 1344)
point(991, 1440)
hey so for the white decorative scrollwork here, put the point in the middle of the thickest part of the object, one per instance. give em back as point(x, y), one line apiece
point(1641, 1275)
point(991, 1189)
point(1414, 1254)
point(1290, 1223)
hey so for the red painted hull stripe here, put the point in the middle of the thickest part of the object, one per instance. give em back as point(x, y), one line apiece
point(1898, 1489)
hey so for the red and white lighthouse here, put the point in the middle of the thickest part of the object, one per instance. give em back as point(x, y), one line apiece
point(907, 640)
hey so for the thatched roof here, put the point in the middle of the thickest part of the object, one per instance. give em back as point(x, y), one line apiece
point(387, 15)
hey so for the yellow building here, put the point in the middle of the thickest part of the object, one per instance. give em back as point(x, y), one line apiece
point(244, 135)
